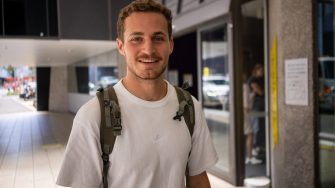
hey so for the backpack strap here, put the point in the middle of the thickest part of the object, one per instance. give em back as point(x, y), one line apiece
point(110, 126)
point(186, 109)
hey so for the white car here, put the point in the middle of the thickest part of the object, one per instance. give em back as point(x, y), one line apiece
point(327, 85)
point(215, 91)
point(106, 81)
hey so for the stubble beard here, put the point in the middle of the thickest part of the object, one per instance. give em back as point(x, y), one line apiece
point(149, 75)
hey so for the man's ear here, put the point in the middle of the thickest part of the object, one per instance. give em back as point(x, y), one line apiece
point(120, 46)
point(171, 45)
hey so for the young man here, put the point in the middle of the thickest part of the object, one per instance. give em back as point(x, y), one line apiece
point(153, 149)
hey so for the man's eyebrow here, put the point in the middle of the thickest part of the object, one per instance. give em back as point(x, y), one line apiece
point(136, 33)
point(154, 34)
point(159, 33)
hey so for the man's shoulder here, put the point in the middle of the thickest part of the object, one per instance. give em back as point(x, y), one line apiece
point(196, 103)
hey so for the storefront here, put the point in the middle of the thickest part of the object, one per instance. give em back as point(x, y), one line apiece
point(208, 54)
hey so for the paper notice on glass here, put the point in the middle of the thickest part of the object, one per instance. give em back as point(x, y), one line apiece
point(173, 77)
point(296, 82)
point(189, 79)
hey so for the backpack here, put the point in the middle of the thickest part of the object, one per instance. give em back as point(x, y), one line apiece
point(110, 126)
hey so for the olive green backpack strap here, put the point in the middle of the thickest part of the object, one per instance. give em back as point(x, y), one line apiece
point(110, 126)
point(186, 109)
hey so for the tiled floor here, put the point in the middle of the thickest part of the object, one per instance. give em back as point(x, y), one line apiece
point(31, 148)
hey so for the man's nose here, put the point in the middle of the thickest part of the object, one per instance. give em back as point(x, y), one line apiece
point(149, 48)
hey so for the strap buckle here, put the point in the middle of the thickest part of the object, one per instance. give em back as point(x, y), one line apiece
point(116, 116)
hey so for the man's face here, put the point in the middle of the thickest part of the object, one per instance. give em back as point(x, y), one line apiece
point(146, 45)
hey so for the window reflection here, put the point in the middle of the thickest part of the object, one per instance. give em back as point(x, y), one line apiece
point(215, 90)
point(255, 127)
point(326, 93)
point(93, 73)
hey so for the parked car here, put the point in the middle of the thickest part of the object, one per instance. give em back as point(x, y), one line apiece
point(327, 86)
point(215, 91)
point(106, 81)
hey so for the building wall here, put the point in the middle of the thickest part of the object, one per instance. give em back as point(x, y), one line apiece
point(76, 100)
point(293, 159)
point(58, 99)
point(72, 79)
point(121, 64)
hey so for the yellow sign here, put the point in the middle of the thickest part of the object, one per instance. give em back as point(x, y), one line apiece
point(205, 71)
point(274, 93)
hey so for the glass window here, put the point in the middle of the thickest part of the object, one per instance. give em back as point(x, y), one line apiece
point(215, 90)
point(93, 73)
point(326, 93)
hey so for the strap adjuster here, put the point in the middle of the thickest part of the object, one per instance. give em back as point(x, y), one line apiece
point(117, 129)
point(181, 109)
point(178, 115)
point(105, 158)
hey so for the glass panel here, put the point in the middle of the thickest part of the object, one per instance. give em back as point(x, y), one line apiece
point(1, 24)
point(326, 85)
point(254, 91)
point(52, 17)
point(215, 90)
point(23, 17)
point(88, 75)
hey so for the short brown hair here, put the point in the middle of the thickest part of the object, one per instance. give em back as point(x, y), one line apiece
point(143, 6)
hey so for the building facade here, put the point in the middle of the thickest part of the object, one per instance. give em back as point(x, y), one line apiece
point(220, 47)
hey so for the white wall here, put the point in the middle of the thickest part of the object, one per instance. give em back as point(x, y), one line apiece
point(58, 101)
point(111, 58)
point(76, 100)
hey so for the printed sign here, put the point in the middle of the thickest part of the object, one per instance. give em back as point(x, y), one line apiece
point(296, 82)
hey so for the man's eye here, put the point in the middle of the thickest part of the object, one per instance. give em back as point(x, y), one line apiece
point(136, 39)
point(158, 39)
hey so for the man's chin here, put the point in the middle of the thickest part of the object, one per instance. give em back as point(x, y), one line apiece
point(151, 77)
point(148, 74)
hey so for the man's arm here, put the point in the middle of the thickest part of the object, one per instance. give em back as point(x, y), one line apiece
point(199, 181)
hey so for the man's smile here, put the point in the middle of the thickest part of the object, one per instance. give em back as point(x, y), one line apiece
point(148, 60)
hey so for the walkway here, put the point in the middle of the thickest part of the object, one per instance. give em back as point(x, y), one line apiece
point(10, 105)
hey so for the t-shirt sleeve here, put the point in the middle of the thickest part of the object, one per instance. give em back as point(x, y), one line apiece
point(203, 154)
point(81, 167)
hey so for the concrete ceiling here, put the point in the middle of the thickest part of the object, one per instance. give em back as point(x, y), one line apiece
point(36, 52)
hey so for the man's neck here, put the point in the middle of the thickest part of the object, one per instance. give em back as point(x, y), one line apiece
point(149, 90)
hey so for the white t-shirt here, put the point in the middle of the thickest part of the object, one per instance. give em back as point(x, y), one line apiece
point(152, 151)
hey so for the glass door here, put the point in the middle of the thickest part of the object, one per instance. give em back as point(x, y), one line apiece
point(255, 108)
point(215, 89)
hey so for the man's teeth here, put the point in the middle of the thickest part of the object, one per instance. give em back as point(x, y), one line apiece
point(148, 60)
